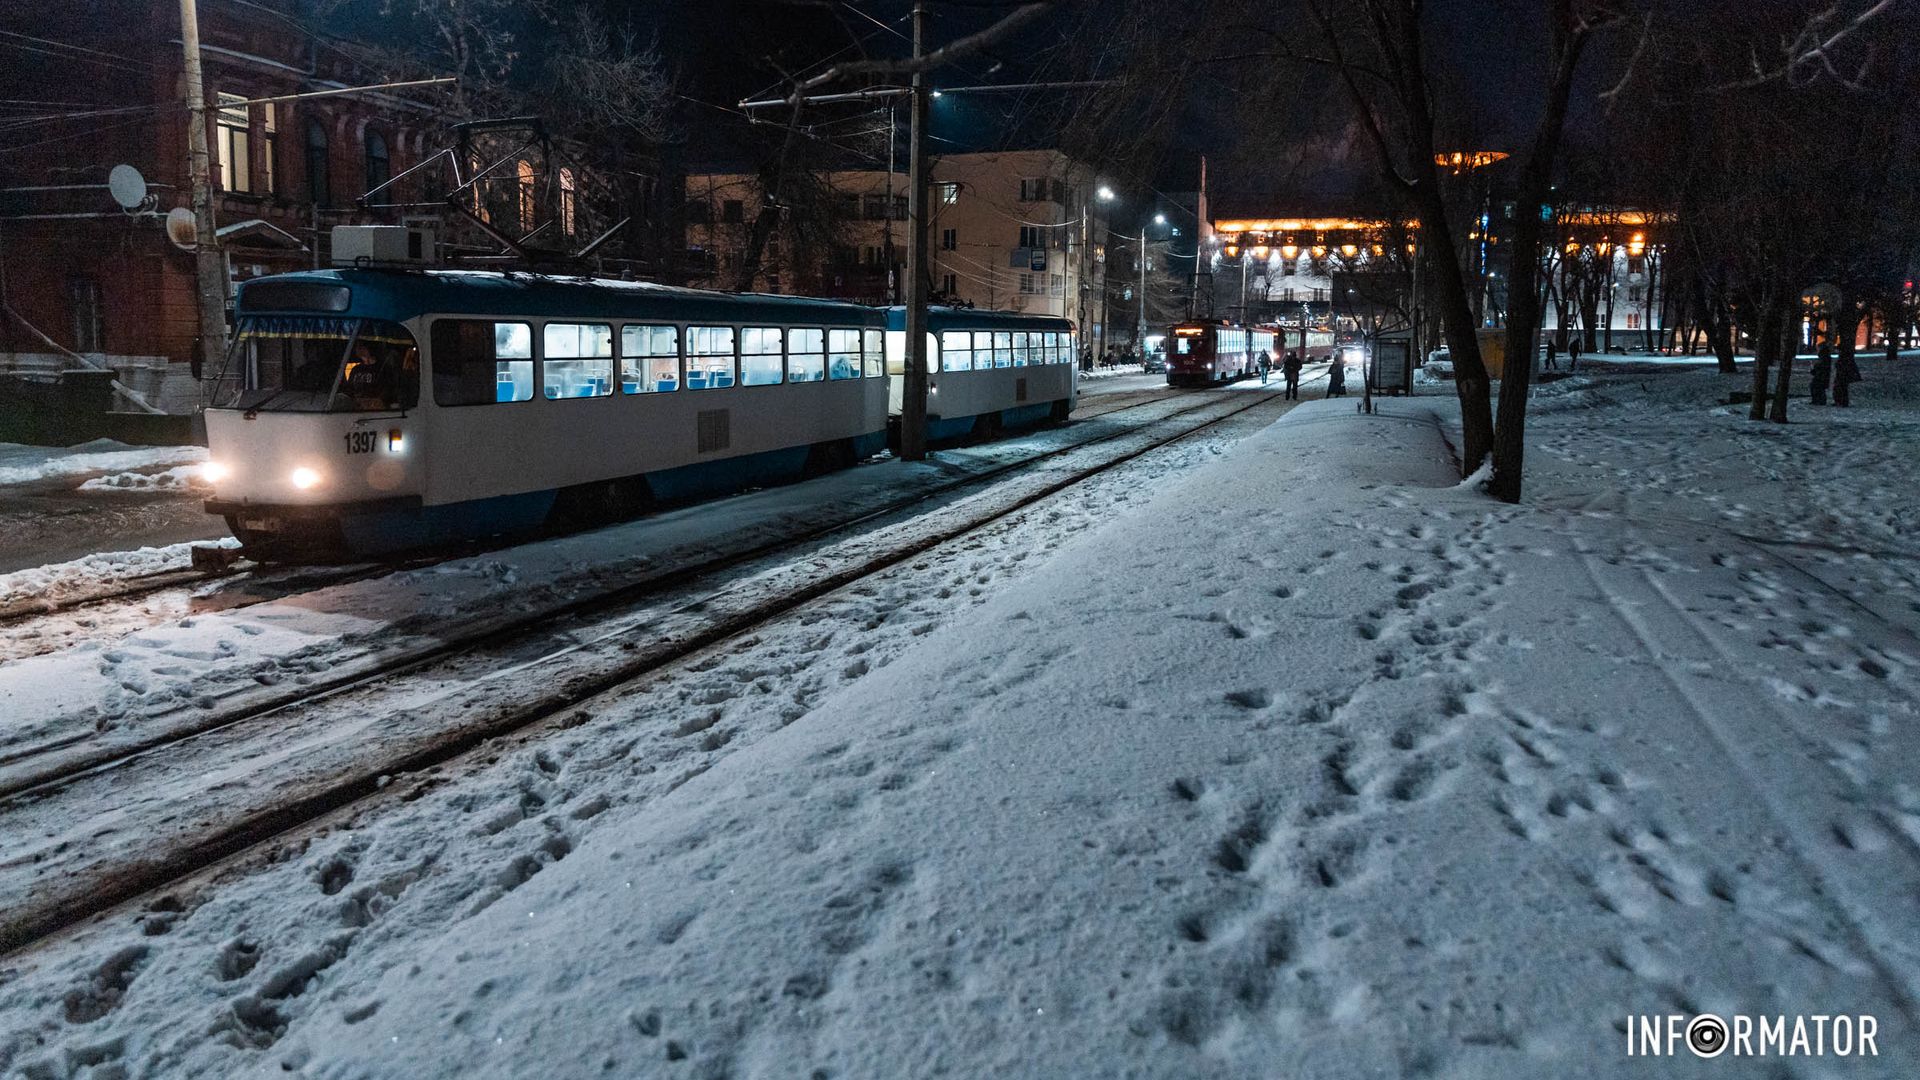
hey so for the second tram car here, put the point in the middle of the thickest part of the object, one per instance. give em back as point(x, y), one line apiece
point(1206, 354)
point(987, 370)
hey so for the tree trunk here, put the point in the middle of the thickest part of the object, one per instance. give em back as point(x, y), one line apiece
point(1523, 292)
point(1606, 331)
point(1766, 343)
point(1470, 379)
point(1846, 327)
point(1720, 333)
point(1783, 383)
point(1647, 309)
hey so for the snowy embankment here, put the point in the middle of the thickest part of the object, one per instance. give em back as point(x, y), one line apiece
point(28, 464)
point(178, 478)
point(1320, 765)
point(59, 582)
point(1113, 372)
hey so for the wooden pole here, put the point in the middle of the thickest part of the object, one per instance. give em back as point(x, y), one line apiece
point(210, 265)
point(913, 405)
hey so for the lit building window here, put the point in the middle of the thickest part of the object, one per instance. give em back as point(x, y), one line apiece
point(566, 201)
point(233, 146)
point(270, 134)
point(526, 191)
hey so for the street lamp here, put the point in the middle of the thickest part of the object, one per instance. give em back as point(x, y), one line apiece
point(1105, 193)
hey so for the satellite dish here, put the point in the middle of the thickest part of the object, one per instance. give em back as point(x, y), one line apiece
point(127, 187)
point(180, 228)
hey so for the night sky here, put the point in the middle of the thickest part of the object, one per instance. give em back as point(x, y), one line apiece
point(730, 49)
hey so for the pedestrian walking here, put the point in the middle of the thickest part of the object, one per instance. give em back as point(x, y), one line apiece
point(1336, 376)
point(1290, 368)
point(1266, 365)
point(1548, 363)
point(1845, 373)
point(1573, 354)
point(1822, 374)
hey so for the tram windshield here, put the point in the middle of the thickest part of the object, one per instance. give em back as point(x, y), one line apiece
point(310, 363)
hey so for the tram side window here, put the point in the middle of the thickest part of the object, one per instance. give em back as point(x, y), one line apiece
point(709, 357)
point(1002, 349)
point(760, 355)
point(956, 350)
point(843, 354)
point(873, 348)
point(649, 359)
point(1054, 352)
point(478, 362)
point(578, 360)
point(806, 354)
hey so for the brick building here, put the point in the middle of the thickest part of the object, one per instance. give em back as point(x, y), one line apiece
point(91, 84)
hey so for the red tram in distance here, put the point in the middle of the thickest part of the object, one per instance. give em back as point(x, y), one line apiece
point(1207, 354)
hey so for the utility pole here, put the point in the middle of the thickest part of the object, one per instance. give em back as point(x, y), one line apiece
point(913, 405)
point(1243, 285)
point(886, 223)
point(210, 266)
point(1140, 330)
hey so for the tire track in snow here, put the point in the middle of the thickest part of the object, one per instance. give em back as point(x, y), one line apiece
point(1809, 853)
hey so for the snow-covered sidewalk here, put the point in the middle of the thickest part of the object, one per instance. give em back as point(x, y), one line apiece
point(1320, 765)
point(21, 464)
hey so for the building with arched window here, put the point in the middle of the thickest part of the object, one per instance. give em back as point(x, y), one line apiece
point(319, 164)
point(379, 163)
point(106, 282)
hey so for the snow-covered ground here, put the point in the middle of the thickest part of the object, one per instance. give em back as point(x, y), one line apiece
point(122, 687)
point(178, 478)
point(1310, 762)
point(65, 504)
point(25, 464)
point(58, 582)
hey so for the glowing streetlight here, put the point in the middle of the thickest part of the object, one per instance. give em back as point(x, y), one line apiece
point(1105, 193)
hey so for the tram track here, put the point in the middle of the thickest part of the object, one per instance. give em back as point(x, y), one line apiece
point(40, 765)
point(178, 591)
point(295, 738)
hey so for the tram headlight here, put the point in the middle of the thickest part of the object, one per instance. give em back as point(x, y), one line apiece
point(213, 472)
point(304, 478)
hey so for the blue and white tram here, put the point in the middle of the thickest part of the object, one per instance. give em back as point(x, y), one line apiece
point(988, 370)
point(373, 411)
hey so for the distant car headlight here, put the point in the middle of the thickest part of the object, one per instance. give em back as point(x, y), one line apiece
point(304, 478)
point(213, 472)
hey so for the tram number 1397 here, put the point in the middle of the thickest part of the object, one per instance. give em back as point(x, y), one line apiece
point(360, 442)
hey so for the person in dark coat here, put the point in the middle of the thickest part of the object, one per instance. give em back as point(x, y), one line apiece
point(1845, 374)
point(1548, 363)
point(1265, 363)
point(1573, 353)
point(1290, 367)
point(1822, 374)
point(1336, 376)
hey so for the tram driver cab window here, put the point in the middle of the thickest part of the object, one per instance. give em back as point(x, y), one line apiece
point(382, 370)
point(311, 363)
point(480, 362)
